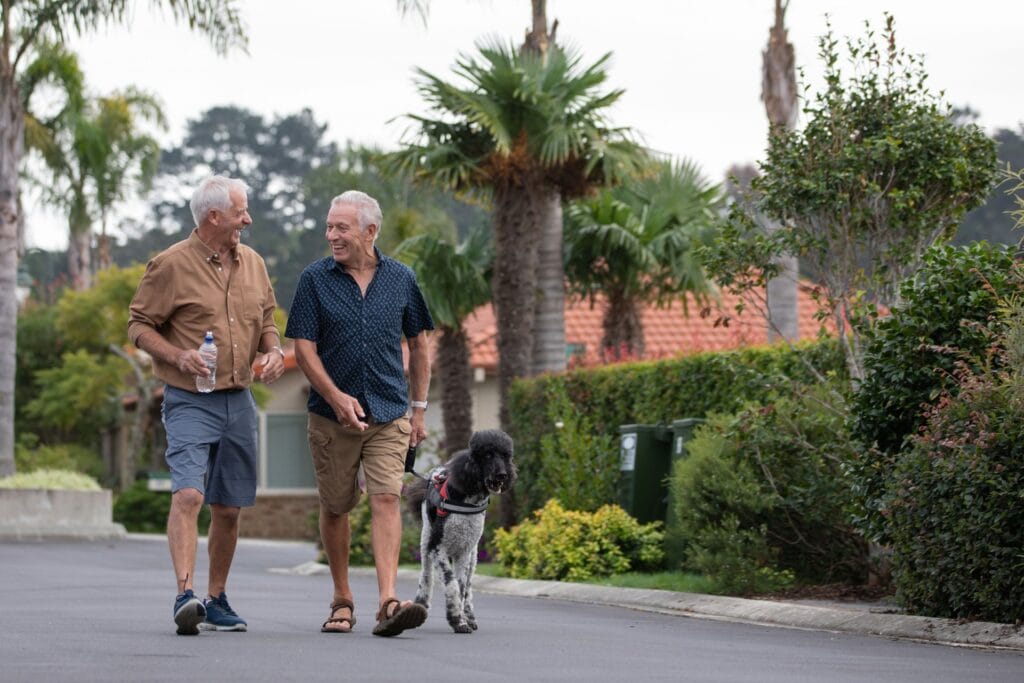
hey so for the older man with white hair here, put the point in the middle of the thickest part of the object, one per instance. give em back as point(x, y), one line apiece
point(350, 313)
point(209, 282)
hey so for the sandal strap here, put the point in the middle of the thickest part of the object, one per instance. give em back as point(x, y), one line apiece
point(382, 613)
point(341, 603)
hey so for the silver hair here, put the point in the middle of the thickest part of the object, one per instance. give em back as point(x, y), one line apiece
point(214, 192)
point(367, 208)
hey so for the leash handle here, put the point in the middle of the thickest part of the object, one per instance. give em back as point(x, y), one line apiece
point(410, 460)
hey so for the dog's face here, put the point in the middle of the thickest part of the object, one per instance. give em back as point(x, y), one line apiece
point(491, 450)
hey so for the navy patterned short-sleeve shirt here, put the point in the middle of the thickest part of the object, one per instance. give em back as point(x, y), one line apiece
point(359, 339)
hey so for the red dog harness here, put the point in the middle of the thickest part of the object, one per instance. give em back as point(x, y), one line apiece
point(439, 497)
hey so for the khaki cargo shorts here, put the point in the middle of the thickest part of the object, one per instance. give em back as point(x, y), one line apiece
point(339, 450)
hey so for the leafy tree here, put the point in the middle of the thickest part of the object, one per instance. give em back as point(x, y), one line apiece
point(92, 151)
point(40, 345)
point(454, 282)
point(636, 244)
point(24, 26)
point(528, 132)
point(878, 174)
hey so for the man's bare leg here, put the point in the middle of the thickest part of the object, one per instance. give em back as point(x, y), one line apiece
point(335, 534)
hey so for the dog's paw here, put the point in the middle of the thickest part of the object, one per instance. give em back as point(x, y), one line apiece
point(462, 628)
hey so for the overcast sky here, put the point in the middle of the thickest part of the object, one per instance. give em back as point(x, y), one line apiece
point(691, 69)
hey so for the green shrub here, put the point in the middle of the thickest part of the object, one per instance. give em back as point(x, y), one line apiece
point(143, 511)
point(29, 456)
point(954, 509)
point(652, 392)
point(50, 479)
point(762, 500)
point(560, 544)
point(578, 466)
point(947, 314)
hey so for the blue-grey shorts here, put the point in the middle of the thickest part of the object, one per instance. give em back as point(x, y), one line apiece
point(212, 444)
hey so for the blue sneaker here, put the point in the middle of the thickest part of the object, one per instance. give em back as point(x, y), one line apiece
point(188, 613)
point(220, 616)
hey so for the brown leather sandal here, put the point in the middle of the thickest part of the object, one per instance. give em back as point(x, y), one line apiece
point(410, 616)
point(350, 621)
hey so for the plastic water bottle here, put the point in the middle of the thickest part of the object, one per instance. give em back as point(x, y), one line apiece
point(208, 351)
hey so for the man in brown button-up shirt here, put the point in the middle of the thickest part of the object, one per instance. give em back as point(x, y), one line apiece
point(208, 282)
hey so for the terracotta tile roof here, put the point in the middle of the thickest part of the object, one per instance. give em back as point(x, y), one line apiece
point(667, 331)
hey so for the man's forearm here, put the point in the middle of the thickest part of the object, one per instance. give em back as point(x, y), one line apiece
point(152, 343)
point(419, 368)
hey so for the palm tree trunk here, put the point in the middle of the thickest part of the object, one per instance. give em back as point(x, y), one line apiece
point(538, 38)
point(779, 93)
point(549, 318)
point(80, 258)
point(548, 354)
point(623, 329)
point(456, 399)
point(516, 237)
point(12, 135)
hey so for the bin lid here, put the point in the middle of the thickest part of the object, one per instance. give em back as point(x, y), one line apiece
point(660, 431)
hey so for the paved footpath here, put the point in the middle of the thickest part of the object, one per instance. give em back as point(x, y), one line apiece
point(101, 611)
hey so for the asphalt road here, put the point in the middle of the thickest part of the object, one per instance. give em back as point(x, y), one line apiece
point(101, 611)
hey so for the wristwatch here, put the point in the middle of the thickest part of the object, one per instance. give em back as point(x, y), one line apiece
point(418, 404)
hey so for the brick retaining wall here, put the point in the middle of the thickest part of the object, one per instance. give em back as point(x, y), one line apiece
point(280, 516)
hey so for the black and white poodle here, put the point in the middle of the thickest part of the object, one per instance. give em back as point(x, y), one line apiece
point(452, 503)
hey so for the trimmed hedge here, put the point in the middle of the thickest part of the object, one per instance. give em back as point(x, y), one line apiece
point(650, 392)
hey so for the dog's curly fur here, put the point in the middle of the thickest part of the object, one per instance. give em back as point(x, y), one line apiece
point(448, 542)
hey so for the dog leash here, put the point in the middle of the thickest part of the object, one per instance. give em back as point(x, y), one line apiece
point(410, 463)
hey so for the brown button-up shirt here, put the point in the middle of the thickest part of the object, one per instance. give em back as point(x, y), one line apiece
point(184, 293)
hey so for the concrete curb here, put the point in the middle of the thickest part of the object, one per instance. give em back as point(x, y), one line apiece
point(790, 615)
point(760, 612)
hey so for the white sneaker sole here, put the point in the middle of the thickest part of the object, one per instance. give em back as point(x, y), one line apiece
point(207, 626)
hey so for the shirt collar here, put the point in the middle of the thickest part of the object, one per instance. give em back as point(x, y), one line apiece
point(381, 258)
point(209, 255)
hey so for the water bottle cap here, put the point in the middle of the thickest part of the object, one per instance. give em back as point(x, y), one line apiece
point(209, 336)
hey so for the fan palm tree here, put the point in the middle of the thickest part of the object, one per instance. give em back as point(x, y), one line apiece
point(548, 353)
point(635, 245)
point(93, 152)
point(527, 132)
point(453, 279)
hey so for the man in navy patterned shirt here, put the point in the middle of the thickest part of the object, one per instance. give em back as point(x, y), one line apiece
point(348, 318)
